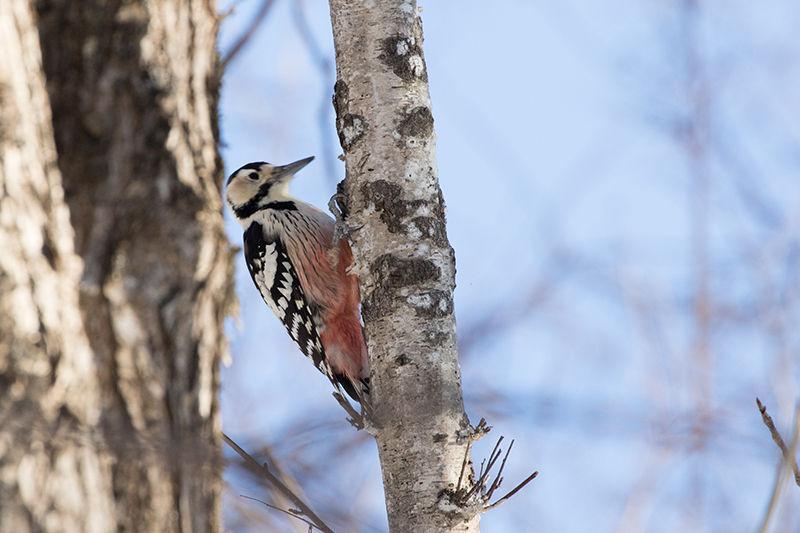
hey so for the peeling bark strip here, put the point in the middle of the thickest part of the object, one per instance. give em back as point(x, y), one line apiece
point(405, 265)
point(109, 374)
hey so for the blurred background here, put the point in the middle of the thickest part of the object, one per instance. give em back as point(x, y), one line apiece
point(622, 181)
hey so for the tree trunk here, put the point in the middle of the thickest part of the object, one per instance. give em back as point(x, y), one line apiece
point(109, 372)
point(405, 265)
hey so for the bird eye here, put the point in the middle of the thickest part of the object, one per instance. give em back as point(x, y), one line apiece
point(253, 176)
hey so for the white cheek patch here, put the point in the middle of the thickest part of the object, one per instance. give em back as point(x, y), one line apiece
point(240, 191)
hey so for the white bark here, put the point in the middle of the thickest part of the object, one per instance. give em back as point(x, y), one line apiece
point(405, 265)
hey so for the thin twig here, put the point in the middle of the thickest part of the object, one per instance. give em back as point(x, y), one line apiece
point(518, 488)
point(495, 455)
point(793, 446)
point(256, 467)
point(289, 512)
point(780, 474)
point(463, 466)
point(776, 436)
point(474, 434)
point(480, 478)
point(259, 18)
point(480, 485)
point(498, 479)
point(773, 500)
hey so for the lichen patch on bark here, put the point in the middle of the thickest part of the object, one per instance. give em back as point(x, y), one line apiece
point(395, 273)
point(404, 56)
point(418, 122)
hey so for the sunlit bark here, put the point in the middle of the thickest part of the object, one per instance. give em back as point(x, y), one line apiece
point(115, 271)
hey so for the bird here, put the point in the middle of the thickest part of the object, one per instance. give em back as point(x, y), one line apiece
point(303, 276)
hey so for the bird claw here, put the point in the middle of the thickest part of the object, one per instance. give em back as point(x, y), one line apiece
point(340, 229)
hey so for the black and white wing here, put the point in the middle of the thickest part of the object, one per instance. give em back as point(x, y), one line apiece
point(279, 285)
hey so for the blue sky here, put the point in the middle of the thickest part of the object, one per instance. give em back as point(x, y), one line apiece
point(571, 191)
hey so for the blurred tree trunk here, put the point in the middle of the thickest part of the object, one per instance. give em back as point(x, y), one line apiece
point(115, 274)
point(404, 262)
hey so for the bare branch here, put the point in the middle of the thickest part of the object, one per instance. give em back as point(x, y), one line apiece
point(325, 67)
point(259, 18)
point(262, 470)
point(776, 436)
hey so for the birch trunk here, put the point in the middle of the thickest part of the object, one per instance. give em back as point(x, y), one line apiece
point(405, 265)
point(114, 271)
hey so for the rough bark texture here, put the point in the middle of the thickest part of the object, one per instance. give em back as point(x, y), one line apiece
point(53, 474)
point(405, 265)
point(109, 374)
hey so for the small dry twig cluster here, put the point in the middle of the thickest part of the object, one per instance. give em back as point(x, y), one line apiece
point(475, 494)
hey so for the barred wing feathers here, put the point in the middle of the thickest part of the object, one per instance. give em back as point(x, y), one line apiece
point(279, 285)
point(277, 281)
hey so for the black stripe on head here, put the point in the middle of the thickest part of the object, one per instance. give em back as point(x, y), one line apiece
point(251, 207)
point(254, 166)
point(287, 205)
point(249, 166)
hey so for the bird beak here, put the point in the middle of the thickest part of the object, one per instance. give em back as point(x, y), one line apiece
point(292, 168)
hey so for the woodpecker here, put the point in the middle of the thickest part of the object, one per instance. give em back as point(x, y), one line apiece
point(302, 275)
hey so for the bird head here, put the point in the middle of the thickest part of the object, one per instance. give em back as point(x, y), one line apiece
point(256, 184)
